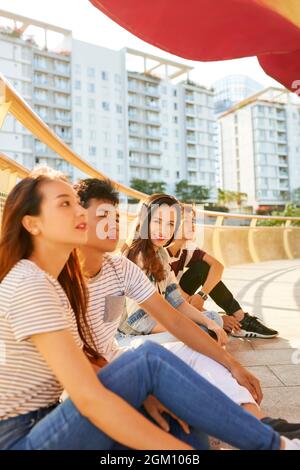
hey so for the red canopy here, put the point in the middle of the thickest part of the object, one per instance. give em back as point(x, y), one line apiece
point(209, 30)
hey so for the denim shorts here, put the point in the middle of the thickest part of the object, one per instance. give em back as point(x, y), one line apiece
point(13, 429)
point(140, 322)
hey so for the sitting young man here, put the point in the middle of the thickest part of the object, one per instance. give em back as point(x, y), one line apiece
point(196, 269)
point(111, 278)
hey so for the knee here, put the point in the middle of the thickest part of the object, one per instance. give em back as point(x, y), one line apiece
point(150, 347)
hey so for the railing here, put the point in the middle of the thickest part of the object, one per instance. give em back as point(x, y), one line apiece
point(231, 244)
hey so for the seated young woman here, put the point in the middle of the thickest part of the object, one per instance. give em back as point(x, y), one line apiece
point(200, 276)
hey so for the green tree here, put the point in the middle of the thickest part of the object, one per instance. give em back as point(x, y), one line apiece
point(226, 197)
point(147, 187)
point(157, 187)
point(140, 185)
point(182, 191)
point(189, 193)
point(199, 194)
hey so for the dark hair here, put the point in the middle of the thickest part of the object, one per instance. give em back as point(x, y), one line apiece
point(143, 244)
point(16, 244)
point(94, 188)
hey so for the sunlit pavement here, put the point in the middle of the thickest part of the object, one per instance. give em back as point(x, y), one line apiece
point(271, 291)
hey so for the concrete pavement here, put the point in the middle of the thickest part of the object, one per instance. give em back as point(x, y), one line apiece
point(271, 291)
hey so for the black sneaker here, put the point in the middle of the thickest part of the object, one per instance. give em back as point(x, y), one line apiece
point(251, 327)
point(283, 427)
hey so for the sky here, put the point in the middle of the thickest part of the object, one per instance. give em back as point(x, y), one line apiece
point(90, 25)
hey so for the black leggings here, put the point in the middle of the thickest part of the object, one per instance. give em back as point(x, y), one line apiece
point(196, 276)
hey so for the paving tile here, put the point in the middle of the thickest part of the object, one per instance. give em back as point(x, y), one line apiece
point(282, 402)
point(265, 357)
point(266, 376)
point(268, 290)
point(289, 375)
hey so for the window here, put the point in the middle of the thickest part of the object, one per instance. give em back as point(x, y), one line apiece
point(40, 95)
point(78, 100)
point(120, 124)
point(78, 133)
point(91, 104)
point(91, 72)
point(26, 53)
point(105, 105)
point(164, 90)
point(104, 75)
point(42, 112)
point(176, 133)
point(175, 106)
point(166, 145)
point(105, 122)
point(27, 141)
point(92, 135)
point(175, 119)
point(92, 118)
point(119, 138)
point(174, 92)
point(119, 109)
point(117, 79)
point(78, 117)
point(26, 70)
point(164, 103)
point(91, 87)
point(77, 85)
point(106, 136)
point(77, 69)
point(106, 152)
point(165, 131)
point(92, 151)
point(120, 154)
point(177, 174)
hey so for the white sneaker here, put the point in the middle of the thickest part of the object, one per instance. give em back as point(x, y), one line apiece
point(291, 444)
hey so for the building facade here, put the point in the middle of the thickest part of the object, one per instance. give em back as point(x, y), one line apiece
point(153, 124)
point(260, 147)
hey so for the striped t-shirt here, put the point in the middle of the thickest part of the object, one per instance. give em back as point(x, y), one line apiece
point(31, 302)
point(119, 278)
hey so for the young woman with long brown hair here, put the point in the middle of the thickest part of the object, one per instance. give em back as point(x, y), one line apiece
point(41, 348)
point(194, 268)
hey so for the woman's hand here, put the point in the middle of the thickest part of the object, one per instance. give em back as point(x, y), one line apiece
point(248, 380)
point(221, 334)
point(155, 409)
point(230, 323)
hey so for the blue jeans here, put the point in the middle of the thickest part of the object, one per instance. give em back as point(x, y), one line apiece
point(150, 369)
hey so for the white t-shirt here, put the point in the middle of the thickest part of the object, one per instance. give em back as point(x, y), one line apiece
point(119, 278)
point(31, 302)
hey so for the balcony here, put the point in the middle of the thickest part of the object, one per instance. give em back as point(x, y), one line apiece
point(62, 69)
point(281, 149)
point(190, 124)
point(190, 111)
point(191, 137)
